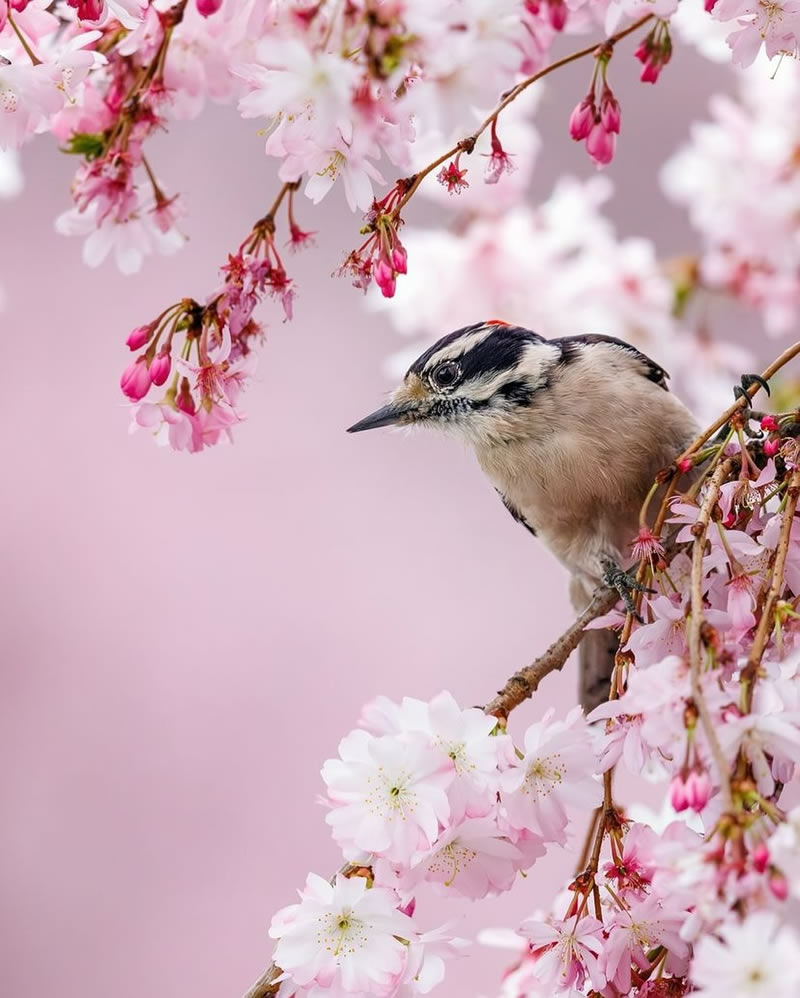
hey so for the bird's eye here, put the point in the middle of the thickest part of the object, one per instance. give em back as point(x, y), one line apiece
point(446, 374)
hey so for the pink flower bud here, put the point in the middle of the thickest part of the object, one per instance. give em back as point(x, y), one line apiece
point(139, 336)
point(384, 278)
point(135, 380)
point(18, 5)
point(769, 424)
point(685, 464)
point(771, 447)
point(779, 886)
point(761, 857)
point(582, 119)
point(400, 259)
point(698, 790)
point(610, 114)
point(208, 7)
point(160, 367)
point(185, 400)
point(557, 14)
point(677, 793)
point(710, 5)
point(600, 144)
point(88, 10)
point(651, 72)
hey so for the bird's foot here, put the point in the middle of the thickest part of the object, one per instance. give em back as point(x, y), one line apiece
point(625, 584)
point(741, 390)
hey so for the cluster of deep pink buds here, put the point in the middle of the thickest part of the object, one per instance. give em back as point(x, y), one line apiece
point(691, 790)
point(598, 124)
point(654, 53)
point(388, 264)
point(150, 369)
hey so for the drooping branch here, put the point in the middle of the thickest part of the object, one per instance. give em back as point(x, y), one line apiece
point(467, 144)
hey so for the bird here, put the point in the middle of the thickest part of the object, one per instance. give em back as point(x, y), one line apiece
point(571, 432)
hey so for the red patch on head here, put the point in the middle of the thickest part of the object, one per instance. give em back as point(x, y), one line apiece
point(497, 322)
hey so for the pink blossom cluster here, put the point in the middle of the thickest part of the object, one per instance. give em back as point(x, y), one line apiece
point(426, 792)
point(349, 92)
point(674, 920)
point(739, 176)
point(202, 356)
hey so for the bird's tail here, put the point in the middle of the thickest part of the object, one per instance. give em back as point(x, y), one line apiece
point(596, 659)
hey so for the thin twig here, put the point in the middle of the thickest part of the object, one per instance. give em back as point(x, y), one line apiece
point(523, 684)
point(23, 40)
point(468, 144)
point(700, 531)
point(765, 624)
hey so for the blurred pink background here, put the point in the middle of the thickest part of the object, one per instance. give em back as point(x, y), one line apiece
point(185, 638)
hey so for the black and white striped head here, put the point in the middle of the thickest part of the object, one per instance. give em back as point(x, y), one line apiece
point(477, 381)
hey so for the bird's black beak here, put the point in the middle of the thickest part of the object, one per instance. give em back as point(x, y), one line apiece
point(387, 416)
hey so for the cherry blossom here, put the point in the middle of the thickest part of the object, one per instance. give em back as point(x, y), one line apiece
point(567, 952)
point(343, 936)
point(642, 926)
point(471, 859)
point(554, 772)
point(757, 957)
point(466, 737)
point(387, 794)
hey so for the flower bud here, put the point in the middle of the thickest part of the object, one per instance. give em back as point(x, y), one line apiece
point(135, 380)
point(400, 259)
point(139, 336)
point(677, 793)
point(557, 14)
point(208, 7)
point(779, 886)
point(582, 119)
point(769, 424)
point(89, 10)
point(610, 114)
point(185, 400)
point(771, 447)
point(600, 144)
point(160, 367)
point(384, 277)
point(698, 790)
point(650, 72)
point(685, 464)
point(761, 857)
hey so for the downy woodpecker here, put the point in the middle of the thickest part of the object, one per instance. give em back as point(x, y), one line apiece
point(571, 432)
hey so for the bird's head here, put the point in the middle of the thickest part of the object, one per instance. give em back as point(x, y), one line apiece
point(479, 381)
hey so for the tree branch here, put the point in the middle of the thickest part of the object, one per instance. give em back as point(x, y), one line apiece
point(700, 530)
point(523, 684)
point(468, 144)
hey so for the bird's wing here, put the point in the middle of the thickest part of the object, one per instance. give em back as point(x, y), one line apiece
point(650, 370)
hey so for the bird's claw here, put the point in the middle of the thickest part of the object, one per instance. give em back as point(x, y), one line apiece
point(747, 382)
point(625, 584)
